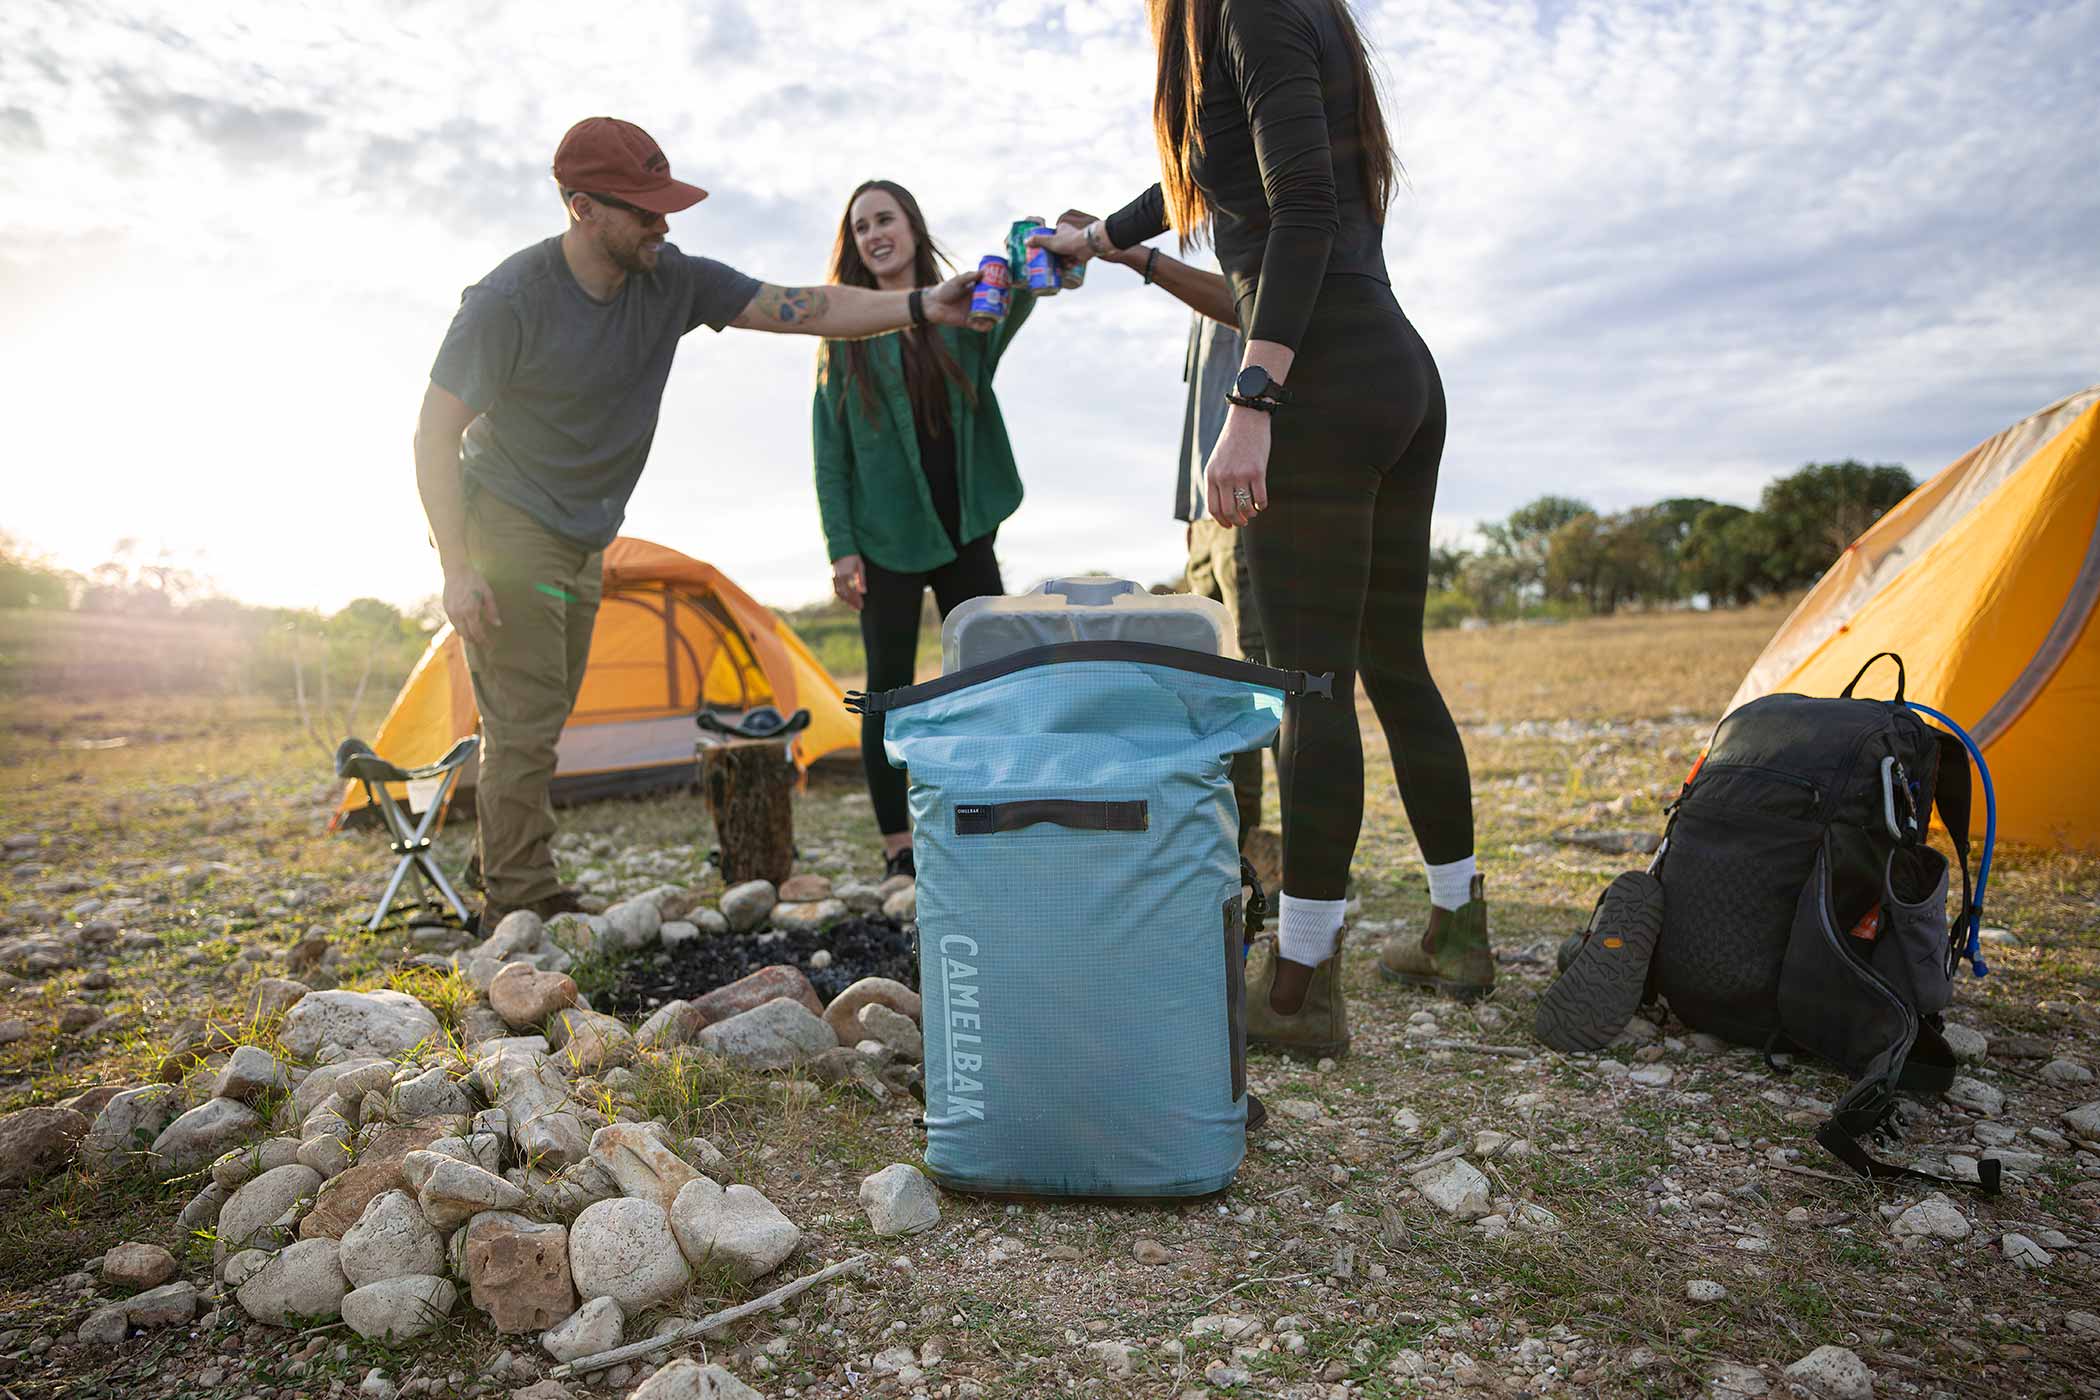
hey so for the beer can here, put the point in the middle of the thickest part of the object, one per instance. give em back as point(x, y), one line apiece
point(1075, 273)
point(1046, 271)
point(988, 298)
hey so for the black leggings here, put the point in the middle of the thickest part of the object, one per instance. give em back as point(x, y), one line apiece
point(889, 631)
point(1340, 564)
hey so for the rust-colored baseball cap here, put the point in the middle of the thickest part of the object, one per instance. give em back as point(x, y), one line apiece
point(604, 155)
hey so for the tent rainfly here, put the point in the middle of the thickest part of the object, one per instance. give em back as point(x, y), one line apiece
point(672, 635)
point(1986, 580)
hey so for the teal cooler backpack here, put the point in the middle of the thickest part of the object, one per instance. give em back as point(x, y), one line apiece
point(1081, 936)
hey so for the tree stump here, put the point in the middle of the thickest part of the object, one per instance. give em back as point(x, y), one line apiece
point(750, 787)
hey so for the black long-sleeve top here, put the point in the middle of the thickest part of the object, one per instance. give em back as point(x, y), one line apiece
point(1280, 166)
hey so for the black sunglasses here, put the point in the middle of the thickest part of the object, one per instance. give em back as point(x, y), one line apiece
point(645, 215)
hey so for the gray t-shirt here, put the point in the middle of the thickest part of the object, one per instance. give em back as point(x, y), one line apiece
point(1213, 363)
point(568, 388)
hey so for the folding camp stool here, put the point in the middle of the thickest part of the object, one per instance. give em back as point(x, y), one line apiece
point(355, 759)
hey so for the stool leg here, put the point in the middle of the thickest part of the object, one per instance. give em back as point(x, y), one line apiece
point(393, 887)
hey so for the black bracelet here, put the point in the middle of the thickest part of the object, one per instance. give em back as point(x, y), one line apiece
point(1151, 258)
point(917, 302)
point(1263, 404)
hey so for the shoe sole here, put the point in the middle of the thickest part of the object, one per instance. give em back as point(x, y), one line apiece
point(1457, 991)
point(1591, 1002)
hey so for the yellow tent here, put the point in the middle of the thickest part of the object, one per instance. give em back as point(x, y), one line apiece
point(1986, 580)
point(672, 634)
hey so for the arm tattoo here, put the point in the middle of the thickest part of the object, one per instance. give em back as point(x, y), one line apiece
point(791, 306)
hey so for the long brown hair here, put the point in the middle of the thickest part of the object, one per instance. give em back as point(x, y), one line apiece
point(1184, 32)
point(928, 367)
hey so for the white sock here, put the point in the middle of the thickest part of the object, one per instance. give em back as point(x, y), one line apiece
point(1450, 886)
point(1306, 929)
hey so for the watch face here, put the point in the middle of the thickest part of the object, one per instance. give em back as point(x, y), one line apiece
point(1252, 383)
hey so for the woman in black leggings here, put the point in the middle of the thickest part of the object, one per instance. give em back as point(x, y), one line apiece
point(914, 472)
point(1272, 141)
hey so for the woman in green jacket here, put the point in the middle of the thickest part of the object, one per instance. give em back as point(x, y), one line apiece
point(914, 472)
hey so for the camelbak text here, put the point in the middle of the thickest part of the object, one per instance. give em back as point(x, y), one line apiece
point(965, 1026)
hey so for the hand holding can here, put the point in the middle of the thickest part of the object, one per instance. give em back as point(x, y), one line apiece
point(988, 301)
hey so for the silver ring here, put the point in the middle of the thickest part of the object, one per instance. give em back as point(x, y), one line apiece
point(1243, 495)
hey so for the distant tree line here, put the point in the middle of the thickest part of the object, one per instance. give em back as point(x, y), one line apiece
point(364, 648)
point(1561, 556)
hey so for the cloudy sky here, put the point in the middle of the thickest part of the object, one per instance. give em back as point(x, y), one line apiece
point(1667, 247)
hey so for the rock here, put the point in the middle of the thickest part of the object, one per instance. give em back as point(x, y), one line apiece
point(1998, 937)
point(2066, 1072)
point(352, 1076)
point(1115, 1357)
point(202, 1210)
point(433, 1093)
point(640, 1157)
point(35, 1142)
point(2082, 1324)
point(1969, 1045)
point(1705, 1290)
point(169, 1305)
point(844, 1012)
point(588, 1041)
point(1653, 1076)
point(251, 1217)
point(249, 1075)
point(1831, 1373)
point(343, 1199)
point(808, 918)
point(677, 933)
point(804, 889)
point(1976, 1096)
point(382, 1023)
point(745, 906)
point(1934, 1218)
point(1455, 1187)
point(518, 1271)
point(1151, 1252)
point(127, 1125)
point(903, 906)
point(106, 1326)
point(1729, 1380)
point(207, 1130)
point(135, 1266)
point(625, 1250)
point(543, 1390)
point(2084, 1122)
point(390, 1240)
point(634, 923)
point(773, 1036)
point(747, 993)
point(564, 1195)
point(451, 1191)
point(736, 1229)
point(2020, 1250)
point(893, 1029)
point(302, 1281)
point(673, 1023)
point(687, 1379)
point(900, 1200)
point(399, 1309)
point(273, 997)
point(593, 1328)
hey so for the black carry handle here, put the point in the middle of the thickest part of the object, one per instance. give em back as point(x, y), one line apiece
point(987, 818)
point(1846, 693)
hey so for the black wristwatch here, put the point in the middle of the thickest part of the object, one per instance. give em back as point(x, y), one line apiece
point(1255, 389)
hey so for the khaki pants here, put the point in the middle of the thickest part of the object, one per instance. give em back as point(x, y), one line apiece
point(525, 683)
point(1218, 570)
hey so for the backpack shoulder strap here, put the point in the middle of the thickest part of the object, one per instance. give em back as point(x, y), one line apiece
point(1860, 1112)
point(1952, 794)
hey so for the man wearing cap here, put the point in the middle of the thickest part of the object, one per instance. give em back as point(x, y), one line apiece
point(534, 430)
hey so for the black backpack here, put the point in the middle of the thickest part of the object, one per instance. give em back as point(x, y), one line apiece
point(1803, 909)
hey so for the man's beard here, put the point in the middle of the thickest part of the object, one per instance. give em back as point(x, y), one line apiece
point(631, 259)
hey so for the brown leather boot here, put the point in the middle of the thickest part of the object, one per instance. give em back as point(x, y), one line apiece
point(1319, 1027)
point(1452, 955)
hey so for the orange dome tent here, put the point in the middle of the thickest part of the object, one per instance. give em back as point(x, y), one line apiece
point(673, 634)
point(1986, 580)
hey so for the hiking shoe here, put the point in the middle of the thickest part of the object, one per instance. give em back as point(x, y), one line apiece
point(1318, 1028)
point(901, 863)
point(1603, 983)
point(1257, 1114)
point(1452, 954)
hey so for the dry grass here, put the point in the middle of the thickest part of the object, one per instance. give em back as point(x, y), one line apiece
point(1580, 726)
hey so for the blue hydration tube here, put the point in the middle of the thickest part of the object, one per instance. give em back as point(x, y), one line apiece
point(1990, 836)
